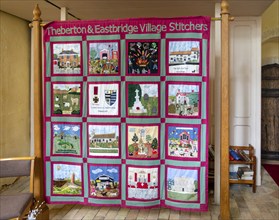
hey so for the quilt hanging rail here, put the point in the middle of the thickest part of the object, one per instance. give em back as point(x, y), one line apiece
point(126, 112)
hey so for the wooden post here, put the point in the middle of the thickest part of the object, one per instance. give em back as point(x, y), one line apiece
point(225, 193)
point(38, 109)
point(63, 14)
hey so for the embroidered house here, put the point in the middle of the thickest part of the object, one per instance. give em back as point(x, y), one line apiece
point(105, 55)
point(187, 142)
point(104, 182)
point(185, 138)
point(183, 185)
point(103, 138)
point(183, 57)
point(68, 59)
point(107, 60)
point(181, 98)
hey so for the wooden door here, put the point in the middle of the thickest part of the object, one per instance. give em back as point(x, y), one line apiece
point(270, 112)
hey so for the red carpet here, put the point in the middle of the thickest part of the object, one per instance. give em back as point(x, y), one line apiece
point(273, 171)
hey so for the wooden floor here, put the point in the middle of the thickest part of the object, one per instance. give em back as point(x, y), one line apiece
point(264, 204)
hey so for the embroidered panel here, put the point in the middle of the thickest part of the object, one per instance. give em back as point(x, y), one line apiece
point(126, 112)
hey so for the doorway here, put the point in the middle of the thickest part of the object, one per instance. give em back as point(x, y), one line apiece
point(270, 112)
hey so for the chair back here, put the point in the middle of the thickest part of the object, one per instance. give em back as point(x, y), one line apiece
point(17, 167)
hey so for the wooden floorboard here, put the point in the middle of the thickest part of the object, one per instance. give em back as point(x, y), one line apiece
point(143, 214)
point(112, 213)
point(102, 213)
point(55, 210)
point(122, 213)
point(184, 215)
point(82, 212)
point(244, 205)
point(91, 213)
point(164, 214)
point(61, 213)
point(132, 214)
point(153, 214)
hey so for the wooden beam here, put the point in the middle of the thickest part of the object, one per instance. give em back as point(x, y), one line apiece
point(38, 111)
point(38, 103)
point(225, 193)
point(63, 14)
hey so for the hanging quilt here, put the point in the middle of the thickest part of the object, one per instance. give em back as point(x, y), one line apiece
point(126, 112)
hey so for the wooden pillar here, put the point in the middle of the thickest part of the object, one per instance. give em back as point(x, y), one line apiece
point(38, 103)
point(225, 193)
point(38, 111)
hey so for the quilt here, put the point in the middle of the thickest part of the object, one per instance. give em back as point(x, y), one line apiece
point(126, 112)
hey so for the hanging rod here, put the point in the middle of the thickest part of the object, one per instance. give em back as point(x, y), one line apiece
point(216, 19)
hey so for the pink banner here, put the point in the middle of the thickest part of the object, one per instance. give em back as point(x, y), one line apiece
point(126, 112)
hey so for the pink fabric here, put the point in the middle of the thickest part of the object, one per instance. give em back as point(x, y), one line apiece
point(88, 68)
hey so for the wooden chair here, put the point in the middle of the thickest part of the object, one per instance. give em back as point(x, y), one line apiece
point(17, 205)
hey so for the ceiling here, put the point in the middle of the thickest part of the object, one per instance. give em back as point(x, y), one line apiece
point(111, 9)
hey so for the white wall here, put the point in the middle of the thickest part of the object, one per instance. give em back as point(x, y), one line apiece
point(14, 86)
point(270, 34)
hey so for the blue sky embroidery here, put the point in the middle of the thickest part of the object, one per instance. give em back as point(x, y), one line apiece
point(182, 141)
point(182, 184)
point(104, 181)
point(66, 138)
